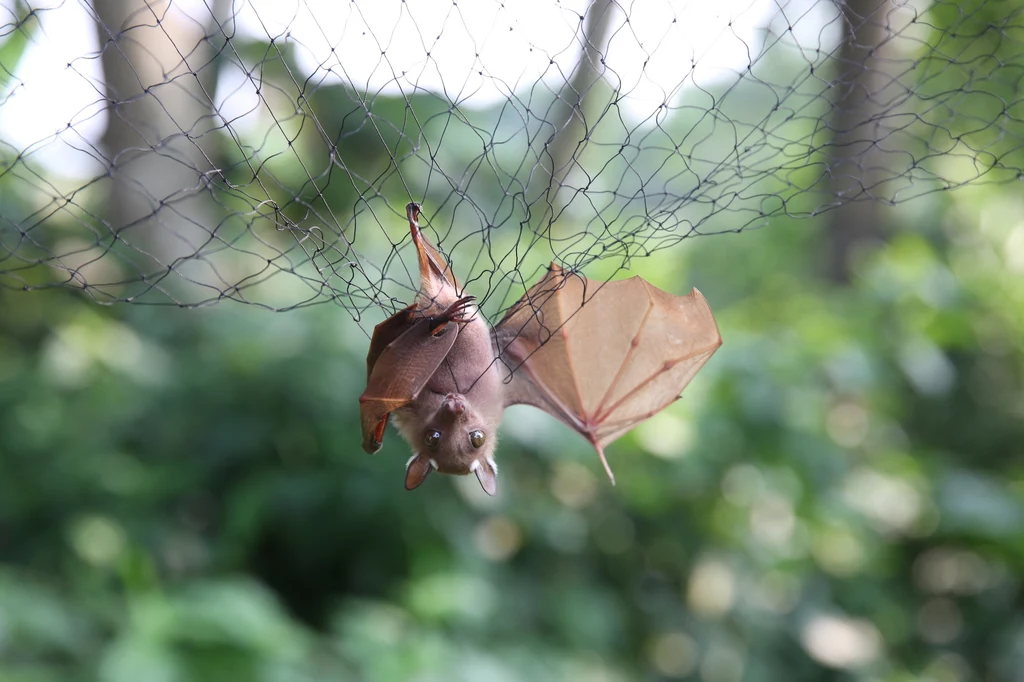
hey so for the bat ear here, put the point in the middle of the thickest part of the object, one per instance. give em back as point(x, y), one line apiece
point(416, 470)
point(487, 473)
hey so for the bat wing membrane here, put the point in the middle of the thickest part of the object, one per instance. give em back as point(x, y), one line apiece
point(603, 357)
point(399, 370)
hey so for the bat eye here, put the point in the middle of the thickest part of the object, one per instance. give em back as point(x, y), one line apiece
point(477, 438)
point(432, 438)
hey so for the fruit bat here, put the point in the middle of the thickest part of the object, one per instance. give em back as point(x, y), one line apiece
point(600, 357)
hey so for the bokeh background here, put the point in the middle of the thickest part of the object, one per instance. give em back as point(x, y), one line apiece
point(839, 495)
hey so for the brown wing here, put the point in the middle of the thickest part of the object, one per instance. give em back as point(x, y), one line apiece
point(399, 372)
point(603, 357)
point(408, 347)
point(385, 334)
point(438, 286)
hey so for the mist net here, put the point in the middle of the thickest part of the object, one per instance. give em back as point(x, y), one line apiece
point(263, 151)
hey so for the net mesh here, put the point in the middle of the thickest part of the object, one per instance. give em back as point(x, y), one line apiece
point(263, 151)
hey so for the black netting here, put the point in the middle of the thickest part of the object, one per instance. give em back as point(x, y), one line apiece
point(264, 151)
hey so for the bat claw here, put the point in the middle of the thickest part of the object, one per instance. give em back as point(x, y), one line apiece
point(459, 308)
point(412, 211)
point(456, 312)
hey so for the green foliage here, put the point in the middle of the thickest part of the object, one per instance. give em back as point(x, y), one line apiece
point(183, 495)
point(839, 494)
point(972, 68)
point(14, 38)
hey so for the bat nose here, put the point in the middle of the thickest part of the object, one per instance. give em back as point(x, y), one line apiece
point(455, 404)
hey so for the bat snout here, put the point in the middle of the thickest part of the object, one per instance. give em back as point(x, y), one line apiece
point(454, 404)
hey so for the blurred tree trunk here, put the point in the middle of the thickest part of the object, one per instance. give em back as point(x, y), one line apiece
point(856, 160)
point(160, 80)
point(578, 106)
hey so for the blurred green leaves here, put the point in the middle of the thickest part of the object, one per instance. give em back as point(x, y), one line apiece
point(14, 39)
point(183, 495)
point(839, 494)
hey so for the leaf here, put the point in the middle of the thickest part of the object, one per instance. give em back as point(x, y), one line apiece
point(16, 38)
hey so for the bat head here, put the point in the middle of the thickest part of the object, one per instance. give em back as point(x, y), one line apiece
point(452, 434)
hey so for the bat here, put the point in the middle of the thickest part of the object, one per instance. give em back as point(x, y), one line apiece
point(599, 357)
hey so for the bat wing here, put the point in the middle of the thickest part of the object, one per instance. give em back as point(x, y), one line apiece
point(438, 285)
point(407, 348)
point(403, 355)
point(603, 357)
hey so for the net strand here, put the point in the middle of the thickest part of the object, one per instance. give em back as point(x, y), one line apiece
point(262, 153)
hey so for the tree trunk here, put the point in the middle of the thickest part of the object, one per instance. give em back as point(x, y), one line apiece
point(577, 108)
point(160, 80)
point(856, 161)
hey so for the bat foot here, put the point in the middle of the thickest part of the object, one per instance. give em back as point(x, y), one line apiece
point(456, 312)
point(412, 211)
